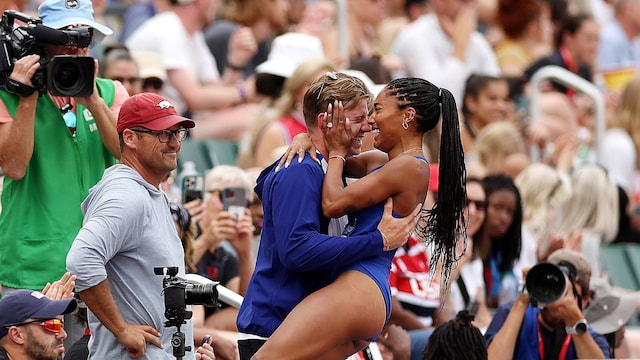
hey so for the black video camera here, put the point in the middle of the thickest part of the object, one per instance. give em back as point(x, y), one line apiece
point(178, 293)
point(62, 75)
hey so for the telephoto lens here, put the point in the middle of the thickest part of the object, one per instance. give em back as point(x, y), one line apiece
point(546, 283)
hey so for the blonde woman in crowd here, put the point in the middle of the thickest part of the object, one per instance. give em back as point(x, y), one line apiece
point(499, 148)
point(623, 139)
point(592, 210)
point(224, 250)
point(543, 190)
point(278, 127)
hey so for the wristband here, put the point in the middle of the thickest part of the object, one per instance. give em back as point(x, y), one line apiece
point(385, 242)
point(344, 161)
point(17, 88)
point(235, 67)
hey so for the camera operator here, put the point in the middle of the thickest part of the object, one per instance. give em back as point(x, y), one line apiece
point(51, 165)
point(520, 330)
point(127, 232)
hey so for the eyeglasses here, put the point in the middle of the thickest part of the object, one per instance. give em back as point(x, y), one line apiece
point(53, 326)
point(481, 205)
point(164, 136)
point(152, 83)
point(130, 80)
point(331, 75)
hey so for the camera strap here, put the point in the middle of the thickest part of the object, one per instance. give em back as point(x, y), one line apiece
point(17, 88)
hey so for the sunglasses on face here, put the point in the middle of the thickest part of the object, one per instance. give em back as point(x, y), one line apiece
point(53, 326)
point(481, 205)
point(152, 83)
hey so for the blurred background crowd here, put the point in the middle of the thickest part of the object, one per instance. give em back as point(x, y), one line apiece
point(548, 93)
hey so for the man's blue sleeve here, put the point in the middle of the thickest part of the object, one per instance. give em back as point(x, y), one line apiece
point(296, 197)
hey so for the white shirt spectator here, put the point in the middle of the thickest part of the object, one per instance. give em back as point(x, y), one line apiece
point(427, 53)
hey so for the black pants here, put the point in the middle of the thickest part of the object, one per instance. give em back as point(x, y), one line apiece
point(247, 348)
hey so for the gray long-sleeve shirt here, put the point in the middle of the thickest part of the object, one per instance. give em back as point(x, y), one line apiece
point(127, 231)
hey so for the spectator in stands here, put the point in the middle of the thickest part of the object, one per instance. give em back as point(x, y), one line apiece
point(618, 39)
point(627, 233)
point(194, 83)
point(497, 147)
point(499, 240)
point(544, 192)
point(527, 35)
point(230, 263)
point(450, 47)
point(609, 312)
point(623, 139)
point(249, 25)
point(117, 64)
point(468, 291)
point(152, 72)
point(278, 127)
point(592, 210)
point(486, 100)
point(576, 47)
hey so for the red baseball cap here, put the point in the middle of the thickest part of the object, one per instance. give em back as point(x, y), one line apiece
point(150, 111)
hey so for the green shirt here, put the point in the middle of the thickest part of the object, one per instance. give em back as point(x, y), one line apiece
point(41, 212)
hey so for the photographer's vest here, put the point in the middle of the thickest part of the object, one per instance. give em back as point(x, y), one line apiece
point(41, 212)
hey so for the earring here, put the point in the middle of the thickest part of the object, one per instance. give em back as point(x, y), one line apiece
point(405, 125)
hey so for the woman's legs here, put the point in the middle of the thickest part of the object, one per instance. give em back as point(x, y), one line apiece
point(326, 323)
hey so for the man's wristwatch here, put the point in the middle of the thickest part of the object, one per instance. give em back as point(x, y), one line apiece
point(578, 328)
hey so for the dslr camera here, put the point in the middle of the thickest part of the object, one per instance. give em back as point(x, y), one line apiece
point(62, 75)
point(546, 283)
point(178, 293)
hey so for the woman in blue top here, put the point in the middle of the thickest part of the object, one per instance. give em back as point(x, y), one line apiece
point(342, 318)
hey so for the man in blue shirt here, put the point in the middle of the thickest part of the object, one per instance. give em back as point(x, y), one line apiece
point(520, 330)
point(295, 257)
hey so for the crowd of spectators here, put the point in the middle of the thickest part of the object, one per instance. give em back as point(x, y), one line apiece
point(240, 68)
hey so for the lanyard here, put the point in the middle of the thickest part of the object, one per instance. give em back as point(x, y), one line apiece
point(571, 66)
point(563, 350)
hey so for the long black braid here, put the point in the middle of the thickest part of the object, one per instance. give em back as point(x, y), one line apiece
point(442, 226)
point(456, 339)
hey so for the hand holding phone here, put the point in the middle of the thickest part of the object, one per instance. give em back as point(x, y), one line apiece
point(234, 200)
point(192, 188)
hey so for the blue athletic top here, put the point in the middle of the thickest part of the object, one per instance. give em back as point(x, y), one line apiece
point(378, 267)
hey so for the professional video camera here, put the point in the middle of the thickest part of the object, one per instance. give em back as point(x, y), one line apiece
point(178, 293)
point(62, 75)
point(547, 282)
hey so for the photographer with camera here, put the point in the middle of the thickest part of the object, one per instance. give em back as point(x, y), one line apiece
point(546, 321)
point(128, 231)
point(57, 136)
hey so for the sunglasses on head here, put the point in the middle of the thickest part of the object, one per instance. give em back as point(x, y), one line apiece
point(481, 205)
point(53, 326)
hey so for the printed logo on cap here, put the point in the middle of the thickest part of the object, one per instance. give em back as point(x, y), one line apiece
point(164, 104)
point(72, 4)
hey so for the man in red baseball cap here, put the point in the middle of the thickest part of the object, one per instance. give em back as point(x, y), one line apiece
point(128, 230)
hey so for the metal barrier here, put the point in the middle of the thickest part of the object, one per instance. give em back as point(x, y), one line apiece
point(569, 79)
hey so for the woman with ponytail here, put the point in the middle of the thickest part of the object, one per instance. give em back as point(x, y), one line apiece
point(343, 317)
